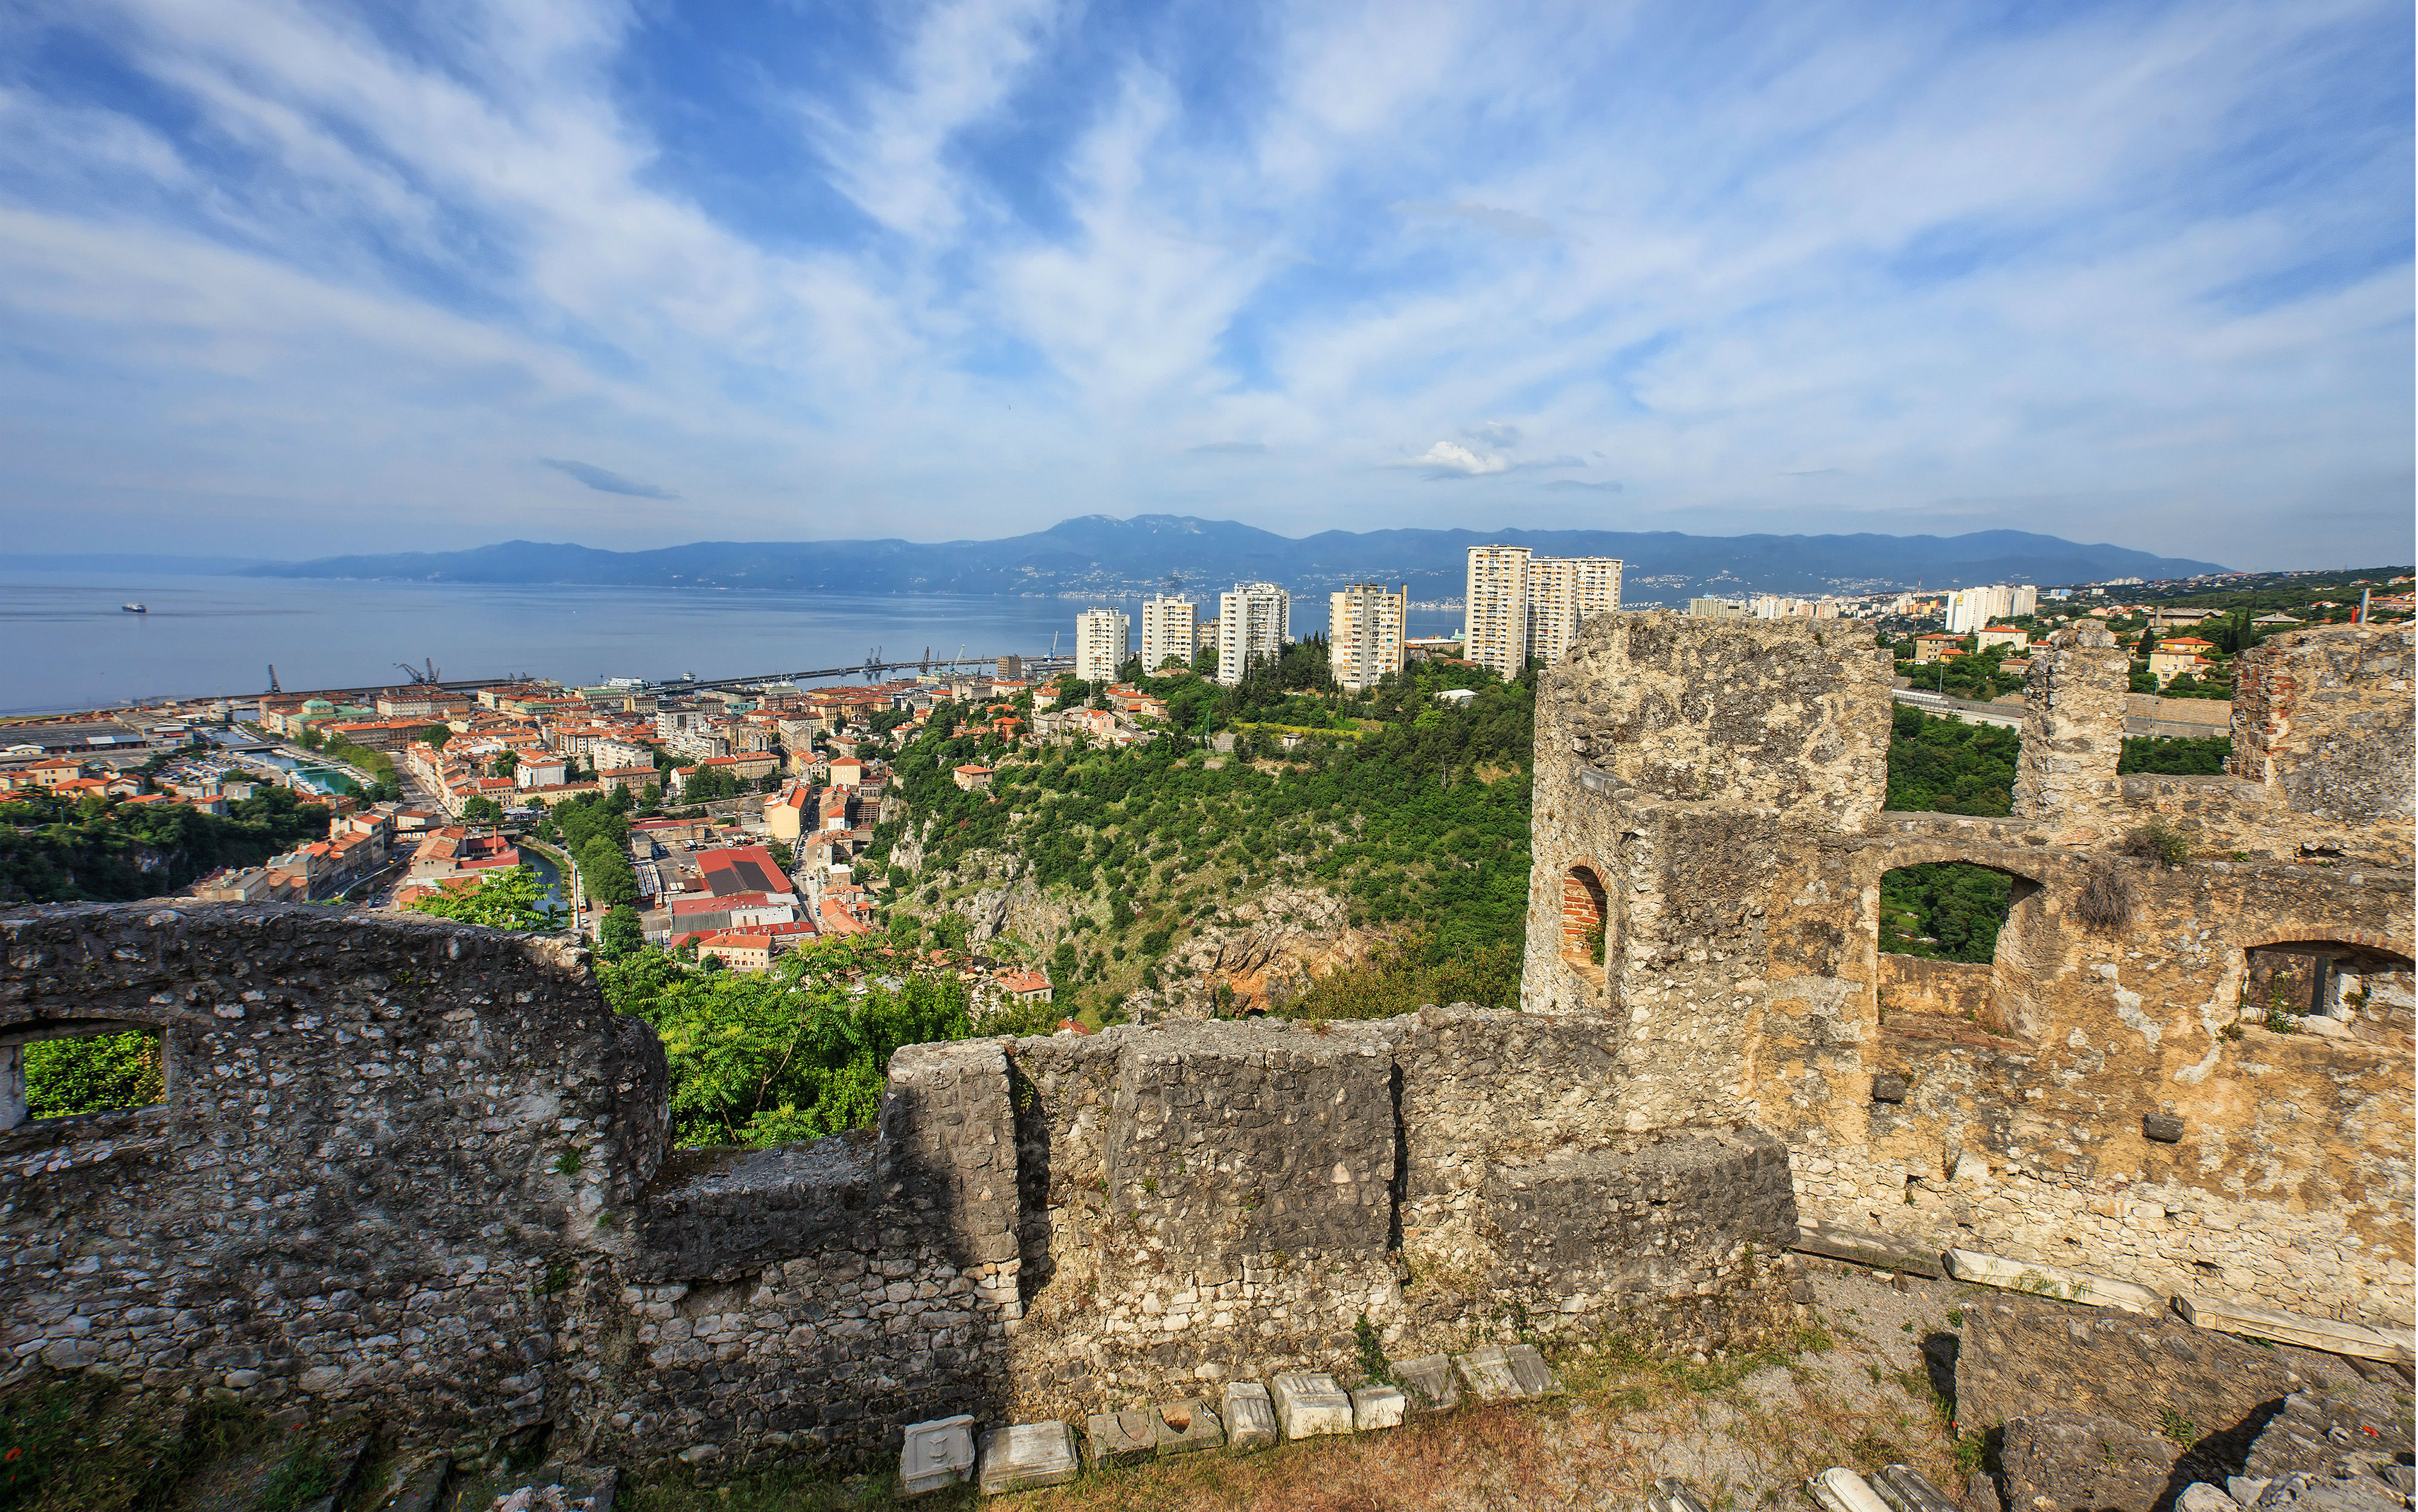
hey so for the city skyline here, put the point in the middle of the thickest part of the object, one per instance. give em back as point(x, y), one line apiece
point(296, 283)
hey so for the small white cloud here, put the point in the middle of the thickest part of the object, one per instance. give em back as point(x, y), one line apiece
point(1450, 459)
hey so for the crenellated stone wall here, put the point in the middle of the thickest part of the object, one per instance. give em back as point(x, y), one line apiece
point(2019, 1106)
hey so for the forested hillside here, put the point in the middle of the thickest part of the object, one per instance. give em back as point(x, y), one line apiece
point(55, 851)
point(1412, 812)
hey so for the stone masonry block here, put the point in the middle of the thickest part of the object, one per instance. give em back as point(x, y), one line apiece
point(1308, 1405)
point(937, 1455)
point(1500, 1373)
point(1377, 1407)
point(1119, 1438)
point(1188, 1425)
point(1250, 1416)
point(1026, 1454)
point(1428, 1383)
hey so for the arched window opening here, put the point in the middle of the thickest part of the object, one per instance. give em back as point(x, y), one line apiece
point(61, 1069)
point(2358, 992)
point(1584, 912)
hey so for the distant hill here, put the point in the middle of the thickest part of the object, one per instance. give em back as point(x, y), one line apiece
point(1095, 554)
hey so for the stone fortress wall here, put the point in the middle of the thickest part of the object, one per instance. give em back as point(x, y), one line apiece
point(2103, 1096)
point(417, 1170)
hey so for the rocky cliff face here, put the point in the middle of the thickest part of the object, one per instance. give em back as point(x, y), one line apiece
point(1280, 941)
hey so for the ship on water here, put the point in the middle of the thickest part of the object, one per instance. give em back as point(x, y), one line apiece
point(135, 608)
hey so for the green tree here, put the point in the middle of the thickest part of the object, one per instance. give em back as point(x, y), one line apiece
point(794, 1053)
point(436, 735)
point(605, 873)
point(623, 932)
point(514, 899)
point(97, 1074)
point(505, 765)
point(482, 810)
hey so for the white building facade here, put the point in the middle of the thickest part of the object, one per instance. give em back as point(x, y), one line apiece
point(1254, 623)
point(1518, 606)
point(1364, 634)
point(1167, 629)
point(1103, 644)
point(1969, 609)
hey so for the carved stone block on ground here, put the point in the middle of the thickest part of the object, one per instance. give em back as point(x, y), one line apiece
point(1428, 1383)
point(1505, 1373)
point(1250, 1417)
point(1119, 1438)
point(1188, 1425)
point(937, 1454)
point(1026, 1454)
point(1377, 1407)
point(1308, 1405)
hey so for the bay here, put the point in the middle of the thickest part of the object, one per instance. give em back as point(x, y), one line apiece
point(66, 644)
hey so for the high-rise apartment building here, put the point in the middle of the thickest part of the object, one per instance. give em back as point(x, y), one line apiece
point(1364, 634)
point(1167, 629)
point(1969, 609)
point(1564, 592)
point(1495, 612)
point(1103, 644)
point(1254, 622)
point(1517, 604)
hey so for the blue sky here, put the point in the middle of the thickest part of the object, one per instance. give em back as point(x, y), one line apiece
point(291, 279)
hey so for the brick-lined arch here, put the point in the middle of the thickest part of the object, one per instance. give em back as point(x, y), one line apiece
point(1586, 916)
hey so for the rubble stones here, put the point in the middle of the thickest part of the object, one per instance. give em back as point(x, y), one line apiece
point(1311, 1404)
point(1024, 1455)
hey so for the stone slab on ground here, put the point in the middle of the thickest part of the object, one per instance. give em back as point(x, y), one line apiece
point(936, 1455)
point(1864, 1246)
point(1841, 1489)
point(1671, 1494)
point(1188, 1425)
point(2075, 1462)
point(1490, 1376)
point(1428, 1383)
point(2055, 1282)
point(1024, 1455)
point(1250, 1416)
point(2355, 1339)
point(1308, 1404)
point(2021, 1356)
point(423, 1485)
point(1377, 1407)
point(1119, 1438)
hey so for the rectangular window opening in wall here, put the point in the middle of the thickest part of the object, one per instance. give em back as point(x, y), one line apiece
point(1584, 915)
point(63, 1069)
point(1942, 928)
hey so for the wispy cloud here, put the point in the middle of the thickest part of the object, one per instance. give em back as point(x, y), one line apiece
point(1450, 459)
point(973, 265)
point(604, 481)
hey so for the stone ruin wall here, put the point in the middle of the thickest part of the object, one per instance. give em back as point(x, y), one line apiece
point(1743, 981)
point(416, 1170)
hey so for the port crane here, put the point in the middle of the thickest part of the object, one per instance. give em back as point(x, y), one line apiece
point(424, 676)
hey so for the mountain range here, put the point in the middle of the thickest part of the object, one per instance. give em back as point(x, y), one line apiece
point(1112, 557)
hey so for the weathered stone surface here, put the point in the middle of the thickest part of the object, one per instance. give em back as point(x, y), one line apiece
point(1741, 979)
point(1024, 1455)
point(2074, 1462)
point(2020, 1357)
point(1119, 1438)
point(1188, 1425)
point(937, 1454)
point(2355, 1339)
point(1500, 1373)
point(2200, 1496)
point(1377, 1407)
point(2043, 1280)
point(1250, 1416)
point(1428, 1383)
point(1907, 1489)
point(2324, 1492)
point(1311, 1404)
